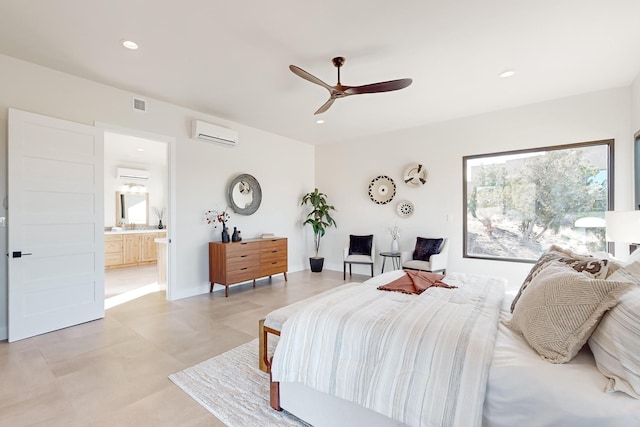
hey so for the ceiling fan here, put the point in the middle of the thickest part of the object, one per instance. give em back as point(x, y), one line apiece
point(340, 90)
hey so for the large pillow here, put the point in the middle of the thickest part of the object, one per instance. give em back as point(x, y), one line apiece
point(632, 269)
point(360, 245)
point(426, 247)
point(596, 267)
point(561, 308)
point(616, 341)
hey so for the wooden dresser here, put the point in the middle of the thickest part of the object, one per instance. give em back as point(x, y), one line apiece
point(246, 260)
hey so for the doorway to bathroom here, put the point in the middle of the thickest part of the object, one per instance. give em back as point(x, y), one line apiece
point(136, 215)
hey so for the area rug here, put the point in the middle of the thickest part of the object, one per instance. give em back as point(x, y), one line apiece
point(232, 388)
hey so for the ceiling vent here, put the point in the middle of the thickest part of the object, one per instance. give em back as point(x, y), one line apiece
point(133, 174)
point(208, 132)
point(139, 104)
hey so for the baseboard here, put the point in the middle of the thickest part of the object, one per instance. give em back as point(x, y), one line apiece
point(190, 292)
point(204, 289)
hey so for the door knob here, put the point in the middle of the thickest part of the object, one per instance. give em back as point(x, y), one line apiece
point(19, 254)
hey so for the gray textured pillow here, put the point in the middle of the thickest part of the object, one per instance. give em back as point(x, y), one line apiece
point(616, 341)
point(561, 308)
point(596, 267)
point(633, 269)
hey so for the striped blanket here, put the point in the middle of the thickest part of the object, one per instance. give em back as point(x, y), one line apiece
point(420, 359)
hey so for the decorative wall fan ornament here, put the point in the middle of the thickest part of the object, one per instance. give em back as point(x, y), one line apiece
point(405, 208)
point(382, 190)
point(340, 90)
point(415, 175)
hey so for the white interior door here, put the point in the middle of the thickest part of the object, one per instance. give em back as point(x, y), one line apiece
point(55, 224)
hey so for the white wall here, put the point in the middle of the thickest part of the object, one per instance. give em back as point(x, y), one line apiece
point(345, 171)
point(635, 125)
point(284, 167)
point(635, 105)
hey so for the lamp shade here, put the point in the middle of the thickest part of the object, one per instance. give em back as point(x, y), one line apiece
point(623, 226)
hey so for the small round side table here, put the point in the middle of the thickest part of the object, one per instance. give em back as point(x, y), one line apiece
point(395, 260)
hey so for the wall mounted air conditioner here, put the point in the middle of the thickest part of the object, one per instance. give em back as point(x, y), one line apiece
point(133, 174)
point(204, 131)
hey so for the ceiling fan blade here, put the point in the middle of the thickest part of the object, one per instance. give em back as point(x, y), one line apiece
point(325, 106)
point(313, 79)
point(378, 87)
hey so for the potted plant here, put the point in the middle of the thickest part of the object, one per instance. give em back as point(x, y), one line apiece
point(320, 219)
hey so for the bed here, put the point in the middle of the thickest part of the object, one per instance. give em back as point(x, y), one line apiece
point(513, 386)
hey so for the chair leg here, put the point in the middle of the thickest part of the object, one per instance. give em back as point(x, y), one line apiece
point(344, 271)
point(371, 269)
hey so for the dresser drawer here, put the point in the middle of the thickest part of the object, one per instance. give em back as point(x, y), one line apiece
point(273, 255)
point(273, 267)
point(245, 260)
point(274, 244)
point(242, 274)
point(235, 249)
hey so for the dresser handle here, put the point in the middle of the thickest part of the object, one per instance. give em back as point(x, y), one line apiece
point(274, 262)
point(243, 256)
point(274, 252)
point(244, 268)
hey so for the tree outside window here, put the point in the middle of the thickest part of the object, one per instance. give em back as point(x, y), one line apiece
point(518, 203)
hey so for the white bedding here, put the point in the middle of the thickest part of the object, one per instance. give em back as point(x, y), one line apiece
point(420, 360)
point(524, 390)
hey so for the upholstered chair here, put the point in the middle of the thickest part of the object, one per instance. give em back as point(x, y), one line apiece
point(428, 255)
point(361, 250)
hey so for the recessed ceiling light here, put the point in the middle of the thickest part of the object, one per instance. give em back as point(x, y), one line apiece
point(130, 44)
point(140, 149)
point(507, 74)
point(320, 121)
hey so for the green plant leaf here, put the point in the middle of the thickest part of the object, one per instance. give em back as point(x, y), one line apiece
point(319, 217)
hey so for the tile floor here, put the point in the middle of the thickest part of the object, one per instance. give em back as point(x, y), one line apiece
point(113, 372)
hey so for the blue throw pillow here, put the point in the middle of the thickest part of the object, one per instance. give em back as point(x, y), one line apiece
point(426, 247)
point(360, 245)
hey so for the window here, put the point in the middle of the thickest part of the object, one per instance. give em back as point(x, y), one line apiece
point(518, 203)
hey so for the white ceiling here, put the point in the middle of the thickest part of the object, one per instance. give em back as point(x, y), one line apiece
point(131, 150)
point(230, 59)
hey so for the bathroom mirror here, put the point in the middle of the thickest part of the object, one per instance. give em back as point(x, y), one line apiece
point(132, 208)
point(245, 194)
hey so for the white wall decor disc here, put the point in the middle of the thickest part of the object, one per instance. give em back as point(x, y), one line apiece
point(404, 208)
point(382, 190)
point(415, 175)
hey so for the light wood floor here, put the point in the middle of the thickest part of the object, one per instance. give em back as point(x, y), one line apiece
point(120, 280)
point(113, 372)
